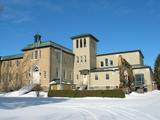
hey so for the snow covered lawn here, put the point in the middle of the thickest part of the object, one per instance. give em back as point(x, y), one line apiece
point(133, 107)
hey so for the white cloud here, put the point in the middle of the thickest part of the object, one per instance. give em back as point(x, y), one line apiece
point(19, 11)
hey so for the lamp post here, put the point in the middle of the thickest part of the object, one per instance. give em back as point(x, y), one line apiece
point(61, 58)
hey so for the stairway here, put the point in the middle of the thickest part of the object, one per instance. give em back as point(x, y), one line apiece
point(26, 89)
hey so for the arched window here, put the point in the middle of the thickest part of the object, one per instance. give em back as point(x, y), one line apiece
point(111, 62)
point(102, 64)
point(35, 68)
point(106, 62)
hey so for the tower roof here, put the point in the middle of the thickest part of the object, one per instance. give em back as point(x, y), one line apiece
point(85, 35)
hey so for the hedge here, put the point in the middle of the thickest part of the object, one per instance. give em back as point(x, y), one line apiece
point(86, 93)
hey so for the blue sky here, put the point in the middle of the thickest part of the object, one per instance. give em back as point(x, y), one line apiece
point(119, 24)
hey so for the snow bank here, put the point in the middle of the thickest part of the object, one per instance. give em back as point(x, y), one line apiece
point(134, 107)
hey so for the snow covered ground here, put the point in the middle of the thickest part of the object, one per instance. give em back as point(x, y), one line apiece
point(28, 107)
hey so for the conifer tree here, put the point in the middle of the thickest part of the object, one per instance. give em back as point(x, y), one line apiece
point(157, 70)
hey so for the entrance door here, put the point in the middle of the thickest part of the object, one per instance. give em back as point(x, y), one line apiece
point(36, 75)
point(85, 80)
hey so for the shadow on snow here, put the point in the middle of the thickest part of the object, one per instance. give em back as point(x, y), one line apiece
point(21, 102)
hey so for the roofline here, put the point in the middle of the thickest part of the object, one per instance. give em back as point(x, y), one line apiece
point(122, 52)
point(12, 57)
point(142, 67)
point(45, 47)
point(116, 69)
point(85, 35)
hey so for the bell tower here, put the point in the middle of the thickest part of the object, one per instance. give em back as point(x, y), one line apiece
point(84, 48)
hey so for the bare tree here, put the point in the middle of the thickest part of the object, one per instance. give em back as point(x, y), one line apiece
point(126, 75)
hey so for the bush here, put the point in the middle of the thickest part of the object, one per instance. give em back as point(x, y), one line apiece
point(86, 93)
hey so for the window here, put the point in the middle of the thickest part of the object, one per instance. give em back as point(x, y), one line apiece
point(111, 62)
point(84, 42)
point(107, 76)
point(45, 74)
point(36, 54)
point(81, 43)
point(85, 59)
point(77, 77)
point(17, 63)
point(106, 62)
point(64, 74)
point(35, 69)
point(77, 43)
point(81, 59)
point(4, 64)
point(139, 79)
point(10, 77)
point(40, 54)
point(17, 77)
point(96, 77)
point(102, 64)
point(70, 75)
point(10, 63)
point(77, 59)
point(32, 55)
point(57, 72)
point(57, 57)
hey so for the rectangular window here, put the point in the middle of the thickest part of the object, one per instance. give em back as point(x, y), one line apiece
point(81, 59)
point(10, 77)
point(81, 43)
point(77, 59)
point(107, 76)
point(77, 43)
point(77, 77)
point(84, 42)
point(10, 63)
point(4, 64)
point(96, 77)
point(64, 74)
point(70, 75)
point(17, 77)
point(106, 62)
point(17, 63)
point(139, 79)
point(56, 72)
point(32, 55)
point(111, 62)
point(45, 74)
point(36, 54)
point(102, 64)
point(85, 59)
point(40, 54)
